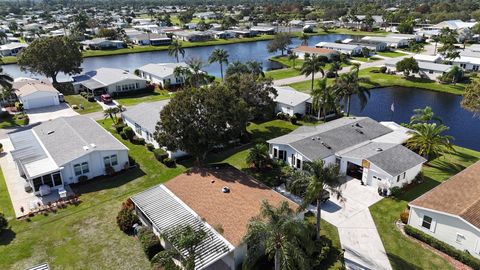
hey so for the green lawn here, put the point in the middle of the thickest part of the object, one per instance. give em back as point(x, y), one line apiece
point(144, 97)
point(402, 252)
point(391, 54)
point(347, 31)
point(87, 105)
point(8, 121)
point(384, 80)
point(282, 73)
point(286, 62)
point(365, 59)
point(85, 234)
point(8, 60)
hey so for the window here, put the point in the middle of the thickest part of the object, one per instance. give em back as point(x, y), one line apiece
point(275, 154)
point(106, 161)
point(138, 129)
point(85, 168)
point(337, 161)
point(404, 174)
point(37, 182)
point(299, 163)
point(47, 180)
point(460, 238)
point(293, 159)
point(398, 178)
point(427, 222)
point(110, 160)
point(57, 179)
point(80, 169)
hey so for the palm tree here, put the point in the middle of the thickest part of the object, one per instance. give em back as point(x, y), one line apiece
point(185, 242)
point(220, 56)
point(193, 74)
point(175, 49)
point(320, 177)
point(258, 155)
point(427, 140)
point(292, 57)
point(277, 233)
point(455, 74)
point(323, 98)
point(436, 39)
point(5, 84)
point(111, 113)
point(256, 68)
point(425, 115)
point(335, 66)
point(312, 65)
point(348, 84)
point(304, 38)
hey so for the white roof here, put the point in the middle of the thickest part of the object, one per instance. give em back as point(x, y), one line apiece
point(161, 70)
point(106, 76)
point(427, 58)
point(340, 46)
point(399, 135)
point(13, 45)
point(467, 59)
point(289, 96)
point(474, 47)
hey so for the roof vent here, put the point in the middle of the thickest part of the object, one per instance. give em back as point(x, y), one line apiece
point(213, 181)
point(379, 149)
point(358, 125)
point(326, 145)
point(50, 132)
point(93, 145)
point(359, 131)
point(225, 189)
point(85, 148)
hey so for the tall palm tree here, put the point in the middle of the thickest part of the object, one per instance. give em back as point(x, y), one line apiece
point(335, 66)
point(348, 84)
point(312, 65)
point(292, 57)
point(220, 56)
point(256, 68)
point(258, 155)
point(277, 233)
point(320, 177)
point(425, 115)
point(323, 98)
point(304, 38)
point(111, 113)
point(185, 242)
point(427, 140)
point(193, 74)
point(176, 49)
point(436, 39)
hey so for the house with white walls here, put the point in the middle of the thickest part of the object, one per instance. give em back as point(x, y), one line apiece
point(33, 93)
point(364, 149)
point(451, 211)
point(163, 74)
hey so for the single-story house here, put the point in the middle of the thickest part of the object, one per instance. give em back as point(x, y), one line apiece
point(417, 38)
point(428, 58)
point(451, 211)
point(192, 36)
point(431, 70)
point(290, 101)
point(376, 46)
point(60, 151)
point(391, 42)
point(34, 93)
point(364, 149)
point(302, 50)
point(219, 200)
point(162, 73)
point(143, 118)
point(108, 81)
point(296, 23)
point(151, 39)
point(467, 63)
point(103, 44)
point(264, 30)
point(243, 33)
point(222, 34)
point(206, 15)
point(474, 47)
point(12, 49)
point(350, 49)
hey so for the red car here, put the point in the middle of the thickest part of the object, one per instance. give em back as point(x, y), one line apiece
point(106, 98)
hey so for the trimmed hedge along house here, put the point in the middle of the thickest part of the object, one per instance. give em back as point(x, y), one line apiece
point(64, 150)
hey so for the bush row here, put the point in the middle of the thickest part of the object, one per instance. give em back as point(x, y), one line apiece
point(162, 156)
point(459, 255)
point(88, 96)
point(149, 241)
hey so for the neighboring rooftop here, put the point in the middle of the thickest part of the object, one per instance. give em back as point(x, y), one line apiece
point(289, 96)
point(460, 196)
point(25, 87)
point(146, 114)
point(161, 70)
point(103, 77)
point(341, 46)
point(307, 49)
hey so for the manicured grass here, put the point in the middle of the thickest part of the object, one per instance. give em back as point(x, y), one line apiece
point(384, 80)
point(85, 236)
point(402, 252)
point(8, 121)
point(87, 105)
point(391, 54)
point(8, 60)
point(286, 62)
point(365, 59)
point(144, 97)
point(282, 73)
point(347, 31)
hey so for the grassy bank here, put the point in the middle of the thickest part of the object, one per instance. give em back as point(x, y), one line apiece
point(384, 80)
point(386, 212)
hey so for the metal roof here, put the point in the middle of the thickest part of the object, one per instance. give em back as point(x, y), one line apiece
point(289, 96)
point(167, 212)
point(43, 266)
point(145, 114)
point(161, 70)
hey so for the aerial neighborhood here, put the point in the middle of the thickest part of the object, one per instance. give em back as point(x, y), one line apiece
point(238, 135)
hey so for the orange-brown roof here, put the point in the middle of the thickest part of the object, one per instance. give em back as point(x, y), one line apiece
point(460, 195)
point(201, 190)
point(315, 50)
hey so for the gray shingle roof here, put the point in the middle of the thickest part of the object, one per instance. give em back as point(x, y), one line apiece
point(325, 140)
point(167, 212)
point(146, 114)
point(66, 138)
point(396, 160)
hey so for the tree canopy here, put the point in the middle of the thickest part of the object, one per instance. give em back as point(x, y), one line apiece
point(407, 66)
point(471, 98)
point(51, 55)
point(280, 42)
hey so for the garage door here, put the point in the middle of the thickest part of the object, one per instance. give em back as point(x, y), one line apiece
point(33, 103)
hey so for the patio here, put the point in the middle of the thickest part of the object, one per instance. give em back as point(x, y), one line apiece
point(16, 186)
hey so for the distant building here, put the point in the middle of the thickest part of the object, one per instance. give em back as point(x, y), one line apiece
point(12, 49)
point(192, 36)
point(375, 46)
point(429, 69)
point(301, 51)
point(350, 49)
point(151, 39)
point(392, 42)
point(103, 44)
point(162, 73)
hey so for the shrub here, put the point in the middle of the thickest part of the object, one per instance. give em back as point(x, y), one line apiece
point(131, 161)
point(1, 147)
point(150, 146)
point(91, 98)
point(293, 119)
point(129, 132)
point(395, 191)
point(109, 170)
point(126, 218)
point(138, 140)
point(18, 106)
point(123, 135)
point(169, 162)
point(383, 69)
point(82, 179)
point(3, 222)
point(160, 154)
point(119, 128)
point(459, 255)
point(128, 204)
point(404, 216)
point(150, 242)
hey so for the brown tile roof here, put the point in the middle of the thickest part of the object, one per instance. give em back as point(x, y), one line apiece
point(201, 190)
point(460, 195)
point(315, 50)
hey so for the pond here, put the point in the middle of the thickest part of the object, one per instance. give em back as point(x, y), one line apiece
point(463, 126)
point(240, 51)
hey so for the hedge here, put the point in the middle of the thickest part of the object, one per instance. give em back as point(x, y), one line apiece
point(150, 242)
point(459, 255)
point(129, 132)
point(169, 162)
point(160, 154)
point(126, 218)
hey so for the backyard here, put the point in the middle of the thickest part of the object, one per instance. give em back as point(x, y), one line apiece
point(157, 95)
point(80, 101)
point(387, 211)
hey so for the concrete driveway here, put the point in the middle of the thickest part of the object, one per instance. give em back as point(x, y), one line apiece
point(50, 113)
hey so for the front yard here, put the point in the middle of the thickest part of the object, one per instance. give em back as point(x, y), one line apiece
point(157, 95)
point(402, 252)
point(391, 54)
point(88, 107)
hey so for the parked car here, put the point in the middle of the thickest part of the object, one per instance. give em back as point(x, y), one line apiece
point(106, 98)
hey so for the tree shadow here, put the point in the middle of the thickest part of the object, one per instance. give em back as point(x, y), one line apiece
point(416, 191)
point(399, 263)
point(269, 133)
point(6, 237)
point(108, 182)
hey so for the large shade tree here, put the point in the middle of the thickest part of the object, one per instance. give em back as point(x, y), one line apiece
point(50, 56)
point(280, 42)
point(277, 233)
point(471, 98)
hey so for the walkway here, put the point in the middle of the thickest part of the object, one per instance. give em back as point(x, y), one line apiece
point(358, 234)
